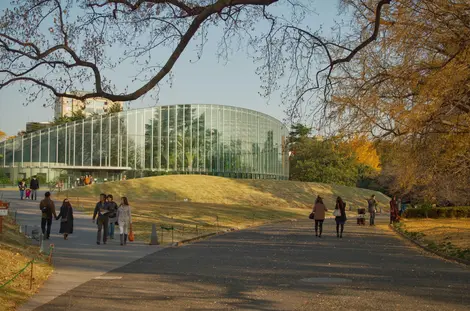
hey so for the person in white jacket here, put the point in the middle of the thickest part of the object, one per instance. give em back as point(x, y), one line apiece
point(124, 219)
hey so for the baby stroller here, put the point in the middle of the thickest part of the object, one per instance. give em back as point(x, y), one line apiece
point(361, 216)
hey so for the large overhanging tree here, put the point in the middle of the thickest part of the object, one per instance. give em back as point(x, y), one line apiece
point(58, 46)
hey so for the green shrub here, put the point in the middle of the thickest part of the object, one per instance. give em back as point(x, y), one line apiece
point(438, 212)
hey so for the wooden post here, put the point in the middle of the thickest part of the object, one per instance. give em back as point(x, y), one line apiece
point(172, 230)
point(197, 231)
point(217, 223)
point(31, 277)
point(162, 237)
point(1, 224)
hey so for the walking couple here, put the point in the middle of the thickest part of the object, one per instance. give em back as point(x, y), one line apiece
point(319, 211)
point(47, 208)
point(108, 214)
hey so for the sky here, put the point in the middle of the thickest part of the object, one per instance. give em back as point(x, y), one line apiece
point(207, 81)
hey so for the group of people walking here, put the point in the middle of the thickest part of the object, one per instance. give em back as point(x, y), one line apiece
point(106, 213)
point(31, 191)
point(319, 213)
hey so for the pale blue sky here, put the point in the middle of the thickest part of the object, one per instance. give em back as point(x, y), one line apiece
point(206, 81)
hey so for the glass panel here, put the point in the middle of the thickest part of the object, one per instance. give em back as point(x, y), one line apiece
point(2, 153)
point(148, 118)
point(187, 142)
point(9, 152)
point(44, 145)
point(180, 147)
point(17, 151)
point(172, 138)
point(70, 151)
point(78, 143)
point(35, 153)
point(95, 155)
point(201, 138)
point(124, 139)
point(195, 138)
point(105, 140)
point(26, 149)
point(115, 140)
point(87, 148)
point(157, 140)
point(139, 139)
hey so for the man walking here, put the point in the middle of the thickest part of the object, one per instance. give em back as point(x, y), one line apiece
point(372, 203)
point(102, 211)
point(34, 186)
point(47, 208)
point(112, 208)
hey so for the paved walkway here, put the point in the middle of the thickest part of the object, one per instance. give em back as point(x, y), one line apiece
point(281, 267)
point(78, 259)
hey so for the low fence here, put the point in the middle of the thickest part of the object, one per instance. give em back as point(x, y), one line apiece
point(34, 236)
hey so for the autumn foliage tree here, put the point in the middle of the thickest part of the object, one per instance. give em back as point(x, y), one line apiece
point(412, 91)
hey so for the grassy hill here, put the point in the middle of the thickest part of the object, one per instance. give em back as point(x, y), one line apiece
point(208, 201)
point(15, 253)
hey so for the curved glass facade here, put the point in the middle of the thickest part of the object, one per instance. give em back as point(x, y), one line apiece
point(184, 139)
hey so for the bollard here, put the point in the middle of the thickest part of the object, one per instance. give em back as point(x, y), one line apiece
point(41, 239)
point(197, 231)
point(21, 228)
point(51, 250)
point(15, 217)
point(153, 236)
point(217, 223)
point(161, 238)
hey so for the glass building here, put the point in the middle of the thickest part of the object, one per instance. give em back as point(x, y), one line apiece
point(181, 139)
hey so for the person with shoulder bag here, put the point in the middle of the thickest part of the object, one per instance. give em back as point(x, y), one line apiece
point(113, 208)
point(319, 210)
point(340, 216)
point(124, 219)
point(47, 208)
point(66, 218)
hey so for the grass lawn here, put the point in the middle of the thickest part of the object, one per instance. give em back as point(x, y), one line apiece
point(449, 236)
point(15, 253)
point(197, 204)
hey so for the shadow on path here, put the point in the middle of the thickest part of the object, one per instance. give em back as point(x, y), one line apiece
point(264, 268)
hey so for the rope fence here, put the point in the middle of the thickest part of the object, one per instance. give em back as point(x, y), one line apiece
point(31, 263)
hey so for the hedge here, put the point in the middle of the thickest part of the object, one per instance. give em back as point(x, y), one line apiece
point(438, 212)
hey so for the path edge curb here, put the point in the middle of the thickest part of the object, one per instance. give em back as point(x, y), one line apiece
point(424, 247)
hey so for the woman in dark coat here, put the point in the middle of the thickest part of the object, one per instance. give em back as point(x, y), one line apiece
point(341, 219)
point(66, 223)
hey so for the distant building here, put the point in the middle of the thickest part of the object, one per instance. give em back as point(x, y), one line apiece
point(34, 126)
point(65, 107)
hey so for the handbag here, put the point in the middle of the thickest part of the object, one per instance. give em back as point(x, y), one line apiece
point(337, 213)
point(131, 236)
point(311, 216)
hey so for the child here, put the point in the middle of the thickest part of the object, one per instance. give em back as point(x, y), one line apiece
point(28, 193)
